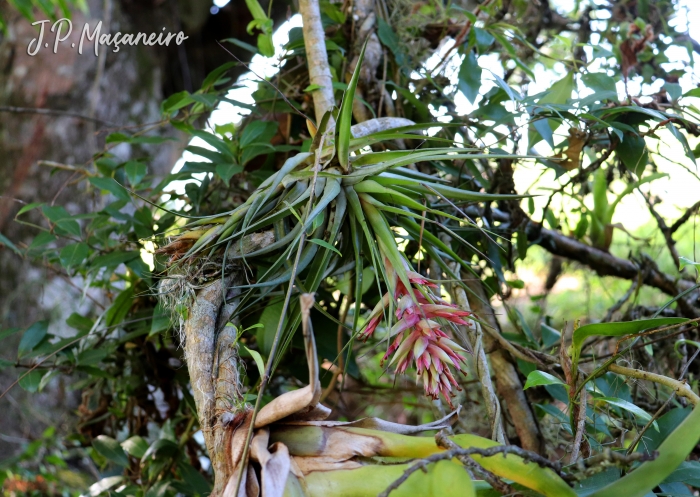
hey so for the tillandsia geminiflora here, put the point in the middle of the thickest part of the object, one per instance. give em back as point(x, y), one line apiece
point(418, 337)
point(349, 202)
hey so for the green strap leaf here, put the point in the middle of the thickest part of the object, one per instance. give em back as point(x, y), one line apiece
point(111, 450)
point(343, 132)
point(540, 378)
point(672, 452)
point(615, 330)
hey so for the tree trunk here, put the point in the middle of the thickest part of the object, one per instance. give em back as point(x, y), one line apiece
point(88, 97)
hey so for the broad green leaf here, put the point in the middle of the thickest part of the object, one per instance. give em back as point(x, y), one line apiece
point(615, 330)
point(119, 308)
point(269, 319)
point(265, 45)
point(543, 127)
point(256, 10)
point(161, 448)
point(135, 446)
point(104, 484)
point(216, 142)
point(111, 450)
point(217, 73)
point(481, 38)
point(559, 93)
point(196, 483)
point(390, 40)
point(93, 356)
point(31, 338)
point(672, 452)
point(135, 171)
point(8, 332)
point(684, 261)
point(46, 378)
point(633, 153)
point(640, 413)
point(258, 131)
point(469, 76)
point(620, 329)
point(73, 254)
point(689, 470)
point(367, 280)
point(42, 239)
point(29, 207)
point(602, 84)
point(6, 241)
point(111, 260)
point(539, 378)
point(31, 380)
point(343, 133)
point(695, 92)
point(137, 139)
point(226, 171)
point(176, 101)
point(678, 135)
point(258, 360)
point(110, 185)
point(62, 219)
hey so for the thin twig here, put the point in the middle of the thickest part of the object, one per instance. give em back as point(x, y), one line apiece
point(602, 461)
point(284, 97)
point(633, 287)
point(665, 230)
point(679, 387)
point(490, 452)
point(339, 345)
point(580, 425)
point(681, 220)
point(493, 480)
point(65, 167)
point(653, 419)
point(481, 365)
point(54, 112)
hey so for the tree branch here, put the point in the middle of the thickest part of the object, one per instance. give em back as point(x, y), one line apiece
point(682, 220)
point(319, 70)
point(508, 384)
point(681, 388)
point(481, 365)
point(602, 262)
point(53, 112)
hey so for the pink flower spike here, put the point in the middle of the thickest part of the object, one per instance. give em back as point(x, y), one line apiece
point(418, 279)
point(419, 346)
point(405, 323)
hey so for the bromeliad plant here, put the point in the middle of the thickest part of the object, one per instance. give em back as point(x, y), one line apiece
point(348, 202)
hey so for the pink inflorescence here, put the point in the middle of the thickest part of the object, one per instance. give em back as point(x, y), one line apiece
point(418, 337)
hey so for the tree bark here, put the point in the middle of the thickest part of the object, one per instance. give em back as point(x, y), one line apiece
point(508, 384)
point(317, 58)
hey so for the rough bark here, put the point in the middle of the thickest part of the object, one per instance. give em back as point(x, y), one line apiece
point(481, 365)
point(211, 353)
point(81, 98)
point(126, 91)
point(317, 58)
point(508, 384)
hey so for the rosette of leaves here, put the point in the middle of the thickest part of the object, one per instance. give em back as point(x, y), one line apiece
point(342, 202)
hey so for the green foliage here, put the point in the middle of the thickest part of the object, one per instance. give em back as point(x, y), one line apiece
point(363, 212)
